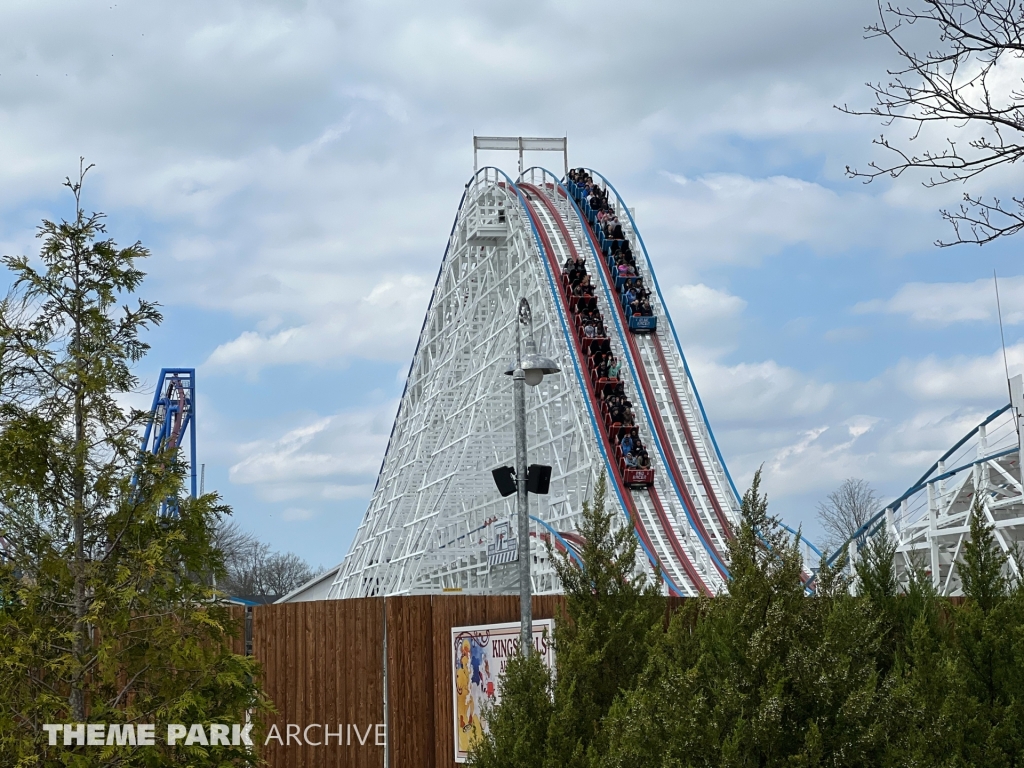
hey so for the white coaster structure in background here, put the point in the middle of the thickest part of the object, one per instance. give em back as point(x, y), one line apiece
point(930, 522)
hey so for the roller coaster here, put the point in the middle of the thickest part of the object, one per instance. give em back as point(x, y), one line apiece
point(434, 513)
point(435, 523)
point(172, 419)
point(929, 523)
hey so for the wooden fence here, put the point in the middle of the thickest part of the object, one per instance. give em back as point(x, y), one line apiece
point(324, 665)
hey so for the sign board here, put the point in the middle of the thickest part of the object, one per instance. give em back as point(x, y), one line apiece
point(479, 656)
point(643, 322)
point(505, 547)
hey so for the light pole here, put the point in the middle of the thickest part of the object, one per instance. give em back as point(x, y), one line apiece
point(527, 369)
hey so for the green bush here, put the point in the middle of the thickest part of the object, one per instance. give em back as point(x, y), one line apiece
point(771, 675)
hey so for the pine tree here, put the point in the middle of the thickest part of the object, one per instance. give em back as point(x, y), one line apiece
point(517, 728)
point(985, 704)
point(981, 570)
point(106, 615)
point(766, 675)
point(603, 640)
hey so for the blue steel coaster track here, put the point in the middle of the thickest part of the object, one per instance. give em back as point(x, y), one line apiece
point(172, 416)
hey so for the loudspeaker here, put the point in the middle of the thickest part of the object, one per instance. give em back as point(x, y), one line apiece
point(538, 478)
point(505, 479)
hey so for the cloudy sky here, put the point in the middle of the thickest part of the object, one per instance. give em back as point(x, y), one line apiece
point(295, 168)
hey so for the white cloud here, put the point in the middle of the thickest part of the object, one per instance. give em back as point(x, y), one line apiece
point(728, 217)
point(765, 392)
point(888, 429)
point(381, 325)
point(960, 379)
point(332, 458)
point(699, 303)
point(704, 317)
point(940, 304)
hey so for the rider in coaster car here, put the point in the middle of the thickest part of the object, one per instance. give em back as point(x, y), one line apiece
point(577, 272)
point(629, 460)
point(627, 416)
point(616, 412)
point(626, 442)
point(614, 368)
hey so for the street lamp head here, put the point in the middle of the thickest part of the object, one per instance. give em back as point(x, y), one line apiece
point(534, 376)
point(534, 365)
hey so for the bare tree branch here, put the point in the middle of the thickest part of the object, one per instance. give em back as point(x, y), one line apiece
point(254, 569)
point(845, 510)
point(968, 83)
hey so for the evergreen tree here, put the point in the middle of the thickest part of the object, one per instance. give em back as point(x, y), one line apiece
point(106, 613)
point(981, 570)
point(763, 676)
point(603, 640)
point(517, 728)
point(769, 675)
point(986, 690)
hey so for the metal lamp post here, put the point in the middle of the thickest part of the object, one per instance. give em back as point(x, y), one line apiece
point(528, 369)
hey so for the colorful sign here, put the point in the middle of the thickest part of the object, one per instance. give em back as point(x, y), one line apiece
point(479, 656)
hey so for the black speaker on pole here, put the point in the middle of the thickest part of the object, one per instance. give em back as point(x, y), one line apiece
point(538, 478)
point(505, 479)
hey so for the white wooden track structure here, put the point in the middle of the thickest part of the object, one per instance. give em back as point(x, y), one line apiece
point(435, 509)
point(930, 522)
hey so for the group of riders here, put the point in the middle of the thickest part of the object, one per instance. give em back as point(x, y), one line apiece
point(633, 293)
point(604, 367)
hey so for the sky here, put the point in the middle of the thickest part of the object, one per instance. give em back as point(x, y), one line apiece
point(295, 168)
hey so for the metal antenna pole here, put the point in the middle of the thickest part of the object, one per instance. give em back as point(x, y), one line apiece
point(522, 499)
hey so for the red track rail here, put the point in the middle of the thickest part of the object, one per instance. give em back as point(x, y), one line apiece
point(659, 510)
point(701, 470)
point(670, 532)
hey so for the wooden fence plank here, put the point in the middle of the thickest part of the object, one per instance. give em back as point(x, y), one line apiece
point(410, 682)
point(323, 662)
